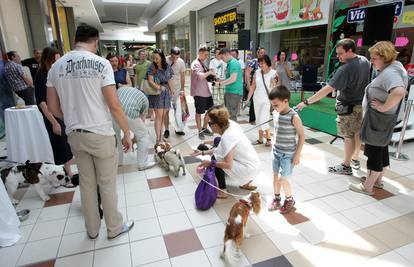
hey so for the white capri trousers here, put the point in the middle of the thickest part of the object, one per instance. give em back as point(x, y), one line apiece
point(262, 112)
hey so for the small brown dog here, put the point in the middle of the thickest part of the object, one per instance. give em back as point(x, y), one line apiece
point(234, 233)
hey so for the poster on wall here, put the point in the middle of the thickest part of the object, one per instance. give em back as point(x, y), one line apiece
point(276, 15)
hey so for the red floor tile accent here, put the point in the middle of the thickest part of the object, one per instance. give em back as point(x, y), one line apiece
point(59, 199)
point(159, 182)
point(50, 263)
point(181, 243)
point(294, 217)
point(381, 194)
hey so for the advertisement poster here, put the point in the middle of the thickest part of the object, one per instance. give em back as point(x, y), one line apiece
point(276, 15)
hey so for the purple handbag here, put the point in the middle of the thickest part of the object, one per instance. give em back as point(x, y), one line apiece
point(205, 194)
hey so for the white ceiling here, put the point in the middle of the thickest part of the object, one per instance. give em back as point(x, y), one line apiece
point(132, 19)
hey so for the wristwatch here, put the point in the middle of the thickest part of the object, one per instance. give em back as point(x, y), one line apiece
point(306, 102)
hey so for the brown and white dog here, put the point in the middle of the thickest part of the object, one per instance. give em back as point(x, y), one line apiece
point(166, 156)
point(235, 227)
point(36, 174)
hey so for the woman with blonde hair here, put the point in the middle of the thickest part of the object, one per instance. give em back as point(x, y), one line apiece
point(235, 155)
point(381, 105)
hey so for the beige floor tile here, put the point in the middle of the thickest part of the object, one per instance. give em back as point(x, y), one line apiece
point(253, 228)
point(369, 246)
point(223, 210)
point(297, 259)
point(403, 224)
point(406, 182)
point(257, 253)
point(389, 235)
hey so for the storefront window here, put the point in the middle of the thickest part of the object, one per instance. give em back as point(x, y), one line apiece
point(182, 39)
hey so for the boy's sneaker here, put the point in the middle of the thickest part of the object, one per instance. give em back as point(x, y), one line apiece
point(275, 205)
point(287, 206)
point(355, 164)
point(207, 132)
point(340, 169)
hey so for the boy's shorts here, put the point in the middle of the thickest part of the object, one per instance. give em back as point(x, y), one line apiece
point(282, 163)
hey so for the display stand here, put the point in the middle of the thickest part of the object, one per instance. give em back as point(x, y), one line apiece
point(398, 155)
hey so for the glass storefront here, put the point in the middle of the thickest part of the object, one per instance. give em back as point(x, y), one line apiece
point(182, 39)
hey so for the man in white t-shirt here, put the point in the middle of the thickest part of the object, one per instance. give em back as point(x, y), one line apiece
point(178, 67)
point(218, 67)
point(81, 91)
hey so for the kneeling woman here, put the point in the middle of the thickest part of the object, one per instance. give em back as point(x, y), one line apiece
point(235, 154)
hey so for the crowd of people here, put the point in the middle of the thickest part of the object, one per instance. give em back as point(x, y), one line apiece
point(86, 106)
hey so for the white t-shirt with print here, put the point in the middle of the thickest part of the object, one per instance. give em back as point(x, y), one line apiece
point(246, 162)
point(219, 68)
point(78, 78)
point(178, 67)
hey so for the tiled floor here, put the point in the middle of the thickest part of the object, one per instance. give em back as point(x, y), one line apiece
point(331, 225)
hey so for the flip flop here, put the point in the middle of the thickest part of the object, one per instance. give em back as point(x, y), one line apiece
point(257, 142)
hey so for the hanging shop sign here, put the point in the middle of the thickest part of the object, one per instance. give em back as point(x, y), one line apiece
point(358, 14)
point(276, 15)
point(225, 18)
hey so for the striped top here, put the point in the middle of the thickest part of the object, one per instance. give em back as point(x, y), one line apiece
point(286, 133)
point(133, 101)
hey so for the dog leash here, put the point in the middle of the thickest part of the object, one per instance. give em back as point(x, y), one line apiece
point(221, 190)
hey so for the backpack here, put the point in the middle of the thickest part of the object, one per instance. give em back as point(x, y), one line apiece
point(205, 194)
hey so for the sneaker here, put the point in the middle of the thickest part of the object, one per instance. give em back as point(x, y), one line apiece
point(376, 185)
point(125, 229)
point(340, 169)
point(148, 166)
point(207, 132)
point(359, 188)
point(287, 206)
point(179, 133)
point(275, 205)
point(201, 136)
point(166, 133)
point(355, 164)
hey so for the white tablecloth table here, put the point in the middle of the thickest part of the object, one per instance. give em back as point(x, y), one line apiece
point(9, 222)
point(27, 138)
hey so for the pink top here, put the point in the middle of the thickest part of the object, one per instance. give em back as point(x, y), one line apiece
point(199, 86)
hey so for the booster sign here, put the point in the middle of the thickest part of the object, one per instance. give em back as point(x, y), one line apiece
point(358, 14)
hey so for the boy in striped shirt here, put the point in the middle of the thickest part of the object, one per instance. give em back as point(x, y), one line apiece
point(286, 149)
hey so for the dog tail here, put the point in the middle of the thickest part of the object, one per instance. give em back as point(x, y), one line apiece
point(231, 253)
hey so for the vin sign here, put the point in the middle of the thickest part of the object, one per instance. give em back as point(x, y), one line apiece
point(358, 14)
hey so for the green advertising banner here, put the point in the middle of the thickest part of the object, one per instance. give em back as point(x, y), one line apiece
point(276, 15)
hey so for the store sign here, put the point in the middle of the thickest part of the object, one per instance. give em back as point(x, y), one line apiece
point(408, 17)
point(226, 18)
point(276, 15)
point(358, 14)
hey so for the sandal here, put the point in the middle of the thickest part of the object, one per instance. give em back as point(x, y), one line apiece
point(222, 195)
point(257, 142)
point(268, 142)
point(376, 185)
point(248, 186)
point(340, 169)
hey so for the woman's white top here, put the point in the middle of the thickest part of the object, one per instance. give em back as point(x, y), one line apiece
point(245, 160)
point(260, 93)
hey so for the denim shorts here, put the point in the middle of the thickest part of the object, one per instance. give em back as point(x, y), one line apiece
point(282, 163)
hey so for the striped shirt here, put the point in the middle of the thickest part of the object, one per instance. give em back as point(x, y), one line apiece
point(133, 101)
point(14, 75)
point(286, 133)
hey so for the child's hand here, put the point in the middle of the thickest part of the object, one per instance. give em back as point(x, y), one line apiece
point(296, 160)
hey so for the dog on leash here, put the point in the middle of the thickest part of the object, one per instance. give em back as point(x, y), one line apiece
point(166, 156)
point(36, 174)
point(235, 226)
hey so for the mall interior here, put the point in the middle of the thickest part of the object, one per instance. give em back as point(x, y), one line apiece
point(329, 216)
